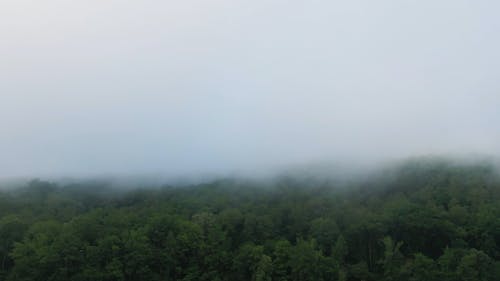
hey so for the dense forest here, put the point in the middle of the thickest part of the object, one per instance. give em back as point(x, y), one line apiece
point(426, 219)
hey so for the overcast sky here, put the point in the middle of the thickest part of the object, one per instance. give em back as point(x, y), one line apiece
point(214, 86)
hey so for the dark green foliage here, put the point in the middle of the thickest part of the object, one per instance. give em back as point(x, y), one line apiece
point(425, 220)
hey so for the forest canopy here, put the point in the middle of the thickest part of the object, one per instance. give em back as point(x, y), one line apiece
point(422, 220)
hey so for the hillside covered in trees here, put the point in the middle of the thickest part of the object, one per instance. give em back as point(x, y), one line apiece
point(423, 220)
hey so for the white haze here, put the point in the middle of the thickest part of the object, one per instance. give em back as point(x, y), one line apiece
point(199, 86)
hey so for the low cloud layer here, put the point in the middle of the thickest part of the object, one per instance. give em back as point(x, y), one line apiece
point(186, 87)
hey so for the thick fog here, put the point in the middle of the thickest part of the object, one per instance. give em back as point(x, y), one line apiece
point(197, 86)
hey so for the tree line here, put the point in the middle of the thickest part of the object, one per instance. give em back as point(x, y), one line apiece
point(422, 220)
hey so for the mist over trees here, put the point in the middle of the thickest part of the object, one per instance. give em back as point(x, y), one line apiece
point(421, 220)
point(141, 140)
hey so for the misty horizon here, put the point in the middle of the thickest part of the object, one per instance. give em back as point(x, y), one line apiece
point(243, 88)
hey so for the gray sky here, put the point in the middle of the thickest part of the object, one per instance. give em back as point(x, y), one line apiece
point(99, 86)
